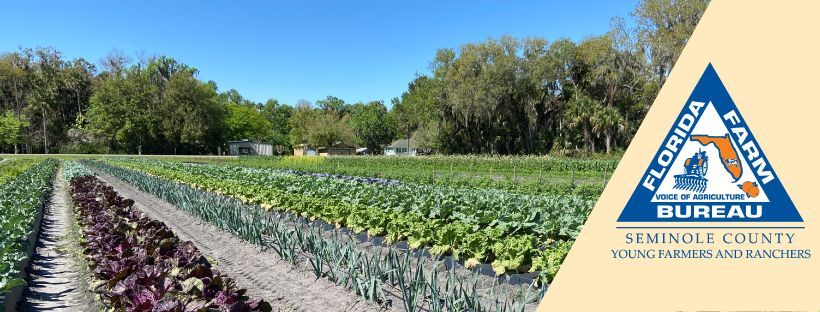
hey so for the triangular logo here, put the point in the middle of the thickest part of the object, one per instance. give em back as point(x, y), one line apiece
point(710, 168)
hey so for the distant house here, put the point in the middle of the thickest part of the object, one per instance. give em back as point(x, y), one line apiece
point(303, 150)
point(404, 147)
point(337, 149)
point(248, 147)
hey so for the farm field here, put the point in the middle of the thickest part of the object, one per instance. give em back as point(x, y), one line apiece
point(278, 233)
point(384, 164)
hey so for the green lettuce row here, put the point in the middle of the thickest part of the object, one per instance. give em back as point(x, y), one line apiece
point(21, 197)
point(489, 244)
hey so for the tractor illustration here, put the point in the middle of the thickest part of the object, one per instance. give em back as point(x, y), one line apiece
point(694, 179)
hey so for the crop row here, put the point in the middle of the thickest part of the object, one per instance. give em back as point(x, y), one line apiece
point(335, 256)
point(73, 168)
point(524, 186)
point(501, 165)
point(141, 265)
point(546, 215)
point(513, 232)
point(11, 168)
point(525, 175)
point(21, 200)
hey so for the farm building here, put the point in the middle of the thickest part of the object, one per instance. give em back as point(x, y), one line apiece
point(337, 149)
point(303, 150)
point(406, 147)
point(247, 147)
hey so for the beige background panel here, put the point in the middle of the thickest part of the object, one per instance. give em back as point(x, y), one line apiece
point(767, 54)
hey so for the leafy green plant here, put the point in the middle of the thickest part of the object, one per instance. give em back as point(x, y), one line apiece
point(476, 246)
point(72, 169)
point(549, 260)
point(21, 197)
point(448, 239)
point(512, 254)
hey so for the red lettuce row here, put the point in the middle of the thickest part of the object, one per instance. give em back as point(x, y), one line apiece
point(142, 265)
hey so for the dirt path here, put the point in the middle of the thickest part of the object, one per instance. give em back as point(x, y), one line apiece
point(262, 273)
point(52, 279)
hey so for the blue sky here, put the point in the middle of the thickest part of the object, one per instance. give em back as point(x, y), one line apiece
point(354, 50)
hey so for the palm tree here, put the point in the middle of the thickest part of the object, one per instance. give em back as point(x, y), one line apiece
point(580, 112)
point(607, 121)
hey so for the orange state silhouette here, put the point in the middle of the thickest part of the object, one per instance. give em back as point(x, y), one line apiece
point(728, 155)
point(750, 188)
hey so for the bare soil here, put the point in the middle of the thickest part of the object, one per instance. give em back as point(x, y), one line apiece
point(263, 274)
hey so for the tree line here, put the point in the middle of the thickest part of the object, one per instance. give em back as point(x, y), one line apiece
point(501, 96)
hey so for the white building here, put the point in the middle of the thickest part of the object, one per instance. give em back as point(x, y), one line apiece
point(248, 147)
point(403, 147)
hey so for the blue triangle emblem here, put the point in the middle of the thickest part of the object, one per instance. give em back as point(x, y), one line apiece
point(710, 168)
